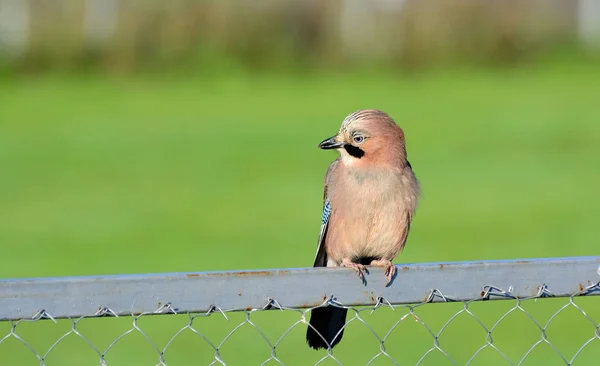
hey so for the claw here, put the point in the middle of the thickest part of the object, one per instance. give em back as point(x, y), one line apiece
point(359, 268)
point(390, 268)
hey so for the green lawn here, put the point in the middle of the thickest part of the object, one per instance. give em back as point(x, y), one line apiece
point(139, 175)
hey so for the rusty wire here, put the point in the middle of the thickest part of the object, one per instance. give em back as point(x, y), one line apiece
point(194, 324)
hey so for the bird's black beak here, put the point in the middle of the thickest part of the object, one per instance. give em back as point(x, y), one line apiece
point(330, 143)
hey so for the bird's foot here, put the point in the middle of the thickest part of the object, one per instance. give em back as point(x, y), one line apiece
point(359, 268)
point(390, 268)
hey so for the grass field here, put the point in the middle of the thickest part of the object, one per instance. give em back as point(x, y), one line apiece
point(138, 175)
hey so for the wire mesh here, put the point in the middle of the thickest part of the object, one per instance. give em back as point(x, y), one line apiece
point(541, 329)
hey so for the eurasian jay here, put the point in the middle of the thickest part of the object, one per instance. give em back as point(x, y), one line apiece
point(370, 197)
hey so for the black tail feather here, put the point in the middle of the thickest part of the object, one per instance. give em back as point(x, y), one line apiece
point(327, 322)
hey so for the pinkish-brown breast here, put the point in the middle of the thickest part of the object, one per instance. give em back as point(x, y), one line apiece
point(371, 211)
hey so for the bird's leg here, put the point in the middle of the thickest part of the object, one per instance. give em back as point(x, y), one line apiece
point(390, 268)
point(359, 268)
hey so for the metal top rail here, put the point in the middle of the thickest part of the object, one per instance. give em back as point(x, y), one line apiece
point(72, 297)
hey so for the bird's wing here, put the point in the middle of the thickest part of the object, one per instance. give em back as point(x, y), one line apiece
point(321, 256)
point(408, 220)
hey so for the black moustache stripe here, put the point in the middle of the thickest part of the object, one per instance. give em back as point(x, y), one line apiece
point(354, 151)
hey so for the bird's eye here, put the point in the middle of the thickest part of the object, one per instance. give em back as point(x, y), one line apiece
point(359, 139)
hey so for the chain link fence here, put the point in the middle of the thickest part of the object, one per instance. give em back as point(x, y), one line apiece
point(549, 326)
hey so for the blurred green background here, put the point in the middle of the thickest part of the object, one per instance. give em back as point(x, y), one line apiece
point(145, 137)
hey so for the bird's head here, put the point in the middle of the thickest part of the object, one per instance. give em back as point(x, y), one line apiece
point(369, 137)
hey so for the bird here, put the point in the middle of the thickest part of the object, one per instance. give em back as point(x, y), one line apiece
point(370, 197)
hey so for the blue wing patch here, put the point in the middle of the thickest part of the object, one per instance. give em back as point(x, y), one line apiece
point(326, 212)
point(321, 256)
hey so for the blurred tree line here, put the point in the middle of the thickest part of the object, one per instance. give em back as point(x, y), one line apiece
point(130, 35)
